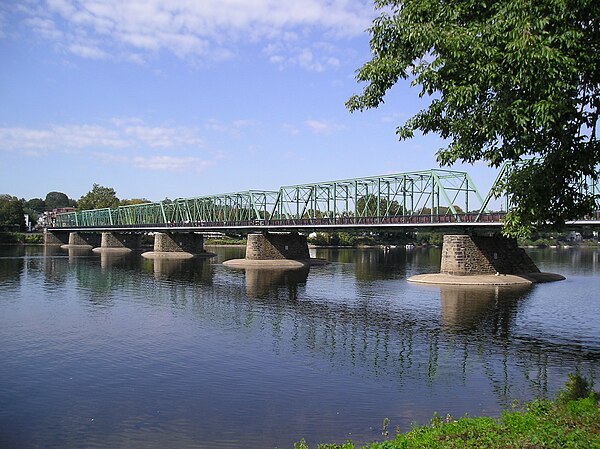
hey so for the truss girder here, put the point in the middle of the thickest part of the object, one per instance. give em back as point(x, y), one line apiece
point(432, 193)
point(226, 209)
point(423, 196)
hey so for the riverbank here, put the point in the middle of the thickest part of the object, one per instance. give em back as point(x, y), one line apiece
point(563, 423)
point(12, 238)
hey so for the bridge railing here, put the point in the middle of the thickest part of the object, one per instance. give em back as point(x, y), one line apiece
point(346, 221)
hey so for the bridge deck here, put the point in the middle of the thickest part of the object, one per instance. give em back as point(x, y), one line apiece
point(308, 225)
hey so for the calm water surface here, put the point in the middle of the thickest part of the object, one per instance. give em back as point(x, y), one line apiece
point(123, 352)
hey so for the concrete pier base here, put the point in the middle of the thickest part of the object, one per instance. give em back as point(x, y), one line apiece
point(118, 242)
point(478, 260)
point(275, 251)
point(177, 246)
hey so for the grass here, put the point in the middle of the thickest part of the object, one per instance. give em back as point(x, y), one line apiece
point(570, 421)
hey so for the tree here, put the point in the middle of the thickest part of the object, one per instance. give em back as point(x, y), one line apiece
point(133, 201)
point(55, 200)
point(366, 206)
point(36, 204)
point(97, 198)
point(514, 81)
point(11, 212)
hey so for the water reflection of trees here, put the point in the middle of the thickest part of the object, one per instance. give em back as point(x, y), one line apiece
point(580, 260)
point(165, 280)
point(11, 270)
point(375, 264)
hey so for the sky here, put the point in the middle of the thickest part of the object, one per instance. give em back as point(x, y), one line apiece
point(183, 98)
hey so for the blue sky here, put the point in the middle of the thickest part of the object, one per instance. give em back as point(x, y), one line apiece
point(183, 98)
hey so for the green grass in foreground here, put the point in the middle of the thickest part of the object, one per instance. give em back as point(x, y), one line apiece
point(563, 423)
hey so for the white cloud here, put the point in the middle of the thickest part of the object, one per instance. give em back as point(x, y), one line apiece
point(119, 135)
point(207, 29)
point(156, 163)
point(127, 141)
point(322, 127)
point(164, 137)
point(44, 27)
point(2, 25)
point(88, 51)
point(170, 163)
point(60, 138)
point(291, 129)
point(122, 134)
point(233, 128)
point(316, 58)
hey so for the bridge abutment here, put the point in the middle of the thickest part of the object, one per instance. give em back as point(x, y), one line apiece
point(118, 242)
point(177, 245)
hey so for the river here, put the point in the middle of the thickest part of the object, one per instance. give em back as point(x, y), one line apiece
point(102, 351)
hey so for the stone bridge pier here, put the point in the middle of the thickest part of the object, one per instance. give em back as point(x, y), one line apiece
point(118, 242)
point(177, 245)
point(275, 250)
point(481, 260)
point(276, 246)
point(56, 237)
point(470, 254)
point(83, 240)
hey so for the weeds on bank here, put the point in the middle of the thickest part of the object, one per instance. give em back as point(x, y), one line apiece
point(572, 420)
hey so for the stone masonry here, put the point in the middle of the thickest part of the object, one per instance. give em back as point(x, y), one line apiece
point(114, 240)
point(465, 255)
point(84, 239)
point(274, 246)
point(55, 237)
point(178, 242)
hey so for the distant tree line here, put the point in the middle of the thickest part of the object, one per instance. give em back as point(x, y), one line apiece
point(13, 209)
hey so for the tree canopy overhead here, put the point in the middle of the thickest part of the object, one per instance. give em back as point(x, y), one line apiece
point(514, 81)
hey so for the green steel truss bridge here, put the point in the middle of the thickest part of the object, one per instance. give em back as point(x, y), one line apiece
point(416, 200)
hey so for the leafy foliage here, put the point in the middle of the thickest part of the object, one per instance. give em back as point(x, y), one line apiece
point(373, 206)
point(577, 387)
point(98, 198)
point(55, 200)
point(11, 212)
point(36, 204)
point(132, 201)
point(514, 81)
point(544, 424)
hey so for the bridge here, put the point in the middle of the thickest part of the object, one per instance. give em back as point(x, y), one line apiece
point(443, 200)
point(432, 199)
